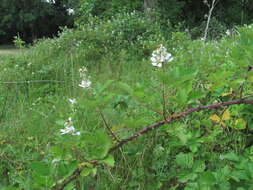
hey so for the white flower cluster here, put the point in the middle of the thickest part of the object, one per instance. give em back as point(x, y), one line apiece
point(70, 11)
point(85, 83)
point(160, 56)
point(69, 128)
point(72, 101)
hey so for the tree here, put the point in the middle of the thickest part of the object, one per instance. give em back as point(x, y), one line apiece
point(33, 19)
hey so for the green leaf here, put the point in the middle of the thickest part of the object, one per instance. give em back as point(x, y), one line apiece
point(72, 166)
point(194, 147)
point(240, 124)
point(183, 137)
point(239, 175)
point(183, 178)
point(86, 171)
point(109, 160)
point(182, 96)
point(10, 188)
point(42, 181)
point(199, 166)
point(223, 174)
point(224, 185)
point(207, 178)
point(184, 160)
point(94, 172)
point(62, 168)
point(240, 188)
point(57, 152)
point(230, 156)
point(70, 186)
point(60, 122)
point(225, 115)
point(195, 95)
point(41, 168)
point(102, 87)
point(125, 87)
point(97, 145)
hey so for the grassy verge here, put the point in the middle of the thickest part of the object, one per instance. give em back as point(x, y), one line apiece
point(9, 50)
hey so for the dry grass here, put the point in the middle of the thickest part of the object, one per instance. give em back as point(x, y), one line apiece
point(9, 50)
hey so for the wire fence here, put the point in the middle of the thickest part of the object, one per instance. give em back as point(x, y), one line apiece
point(31, 81)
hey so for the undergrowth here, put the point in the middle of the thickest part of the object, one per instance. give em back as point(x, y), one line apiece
point(57, 119)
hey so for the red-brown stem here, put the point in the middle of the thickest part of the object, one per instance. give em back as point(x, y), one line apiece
point(174, 117)
point(148, 128)
point(108, 127)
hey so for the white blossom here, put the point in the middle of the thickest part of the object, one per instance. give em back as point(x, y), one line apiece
point(160, 56)
point(228, 32)
point(85, 83)
point(155, 64)
point(69, 128)
point(70, 11)
point(50, 1)
point(56, 160)
point(72, 100)
point(82, 72)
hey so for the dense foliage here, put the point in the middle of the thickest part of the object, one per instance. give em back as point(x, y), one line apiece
point(33, 19)
point(126, 100)
point(69, 102)
point(187, 15)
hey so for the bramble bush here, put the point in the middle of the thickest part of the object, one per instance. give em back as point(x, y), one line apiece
point(109, 107)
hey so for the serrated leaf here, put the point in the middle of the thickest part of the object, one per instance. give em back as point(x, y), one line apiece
point(60, 122)
point(42, 181)
point(57, 151)
point(183, 137)
point(94, 172)
point(41, 168)
point(116, 128)
point(215, 118)
point(224, 185)
point(187, 177)
point(86, 171)
point(125, 87)
point(182, 96)
point(10, 188)
point(109, 160)
point(207, 178)
point(72, 166)
point(240, 188)
point(70, 186)
point(102, 88)
point(184, 160)
point(193, 147)
point(227, 93)
point(239, 175)
point(98, 145)
point(199, 166)
point(230, 156)
point(225, 115)
point(240, 124)
point(194, 95)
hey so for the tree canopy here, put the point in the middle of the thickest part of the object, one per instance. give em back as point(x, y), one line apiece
point(32, 19)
